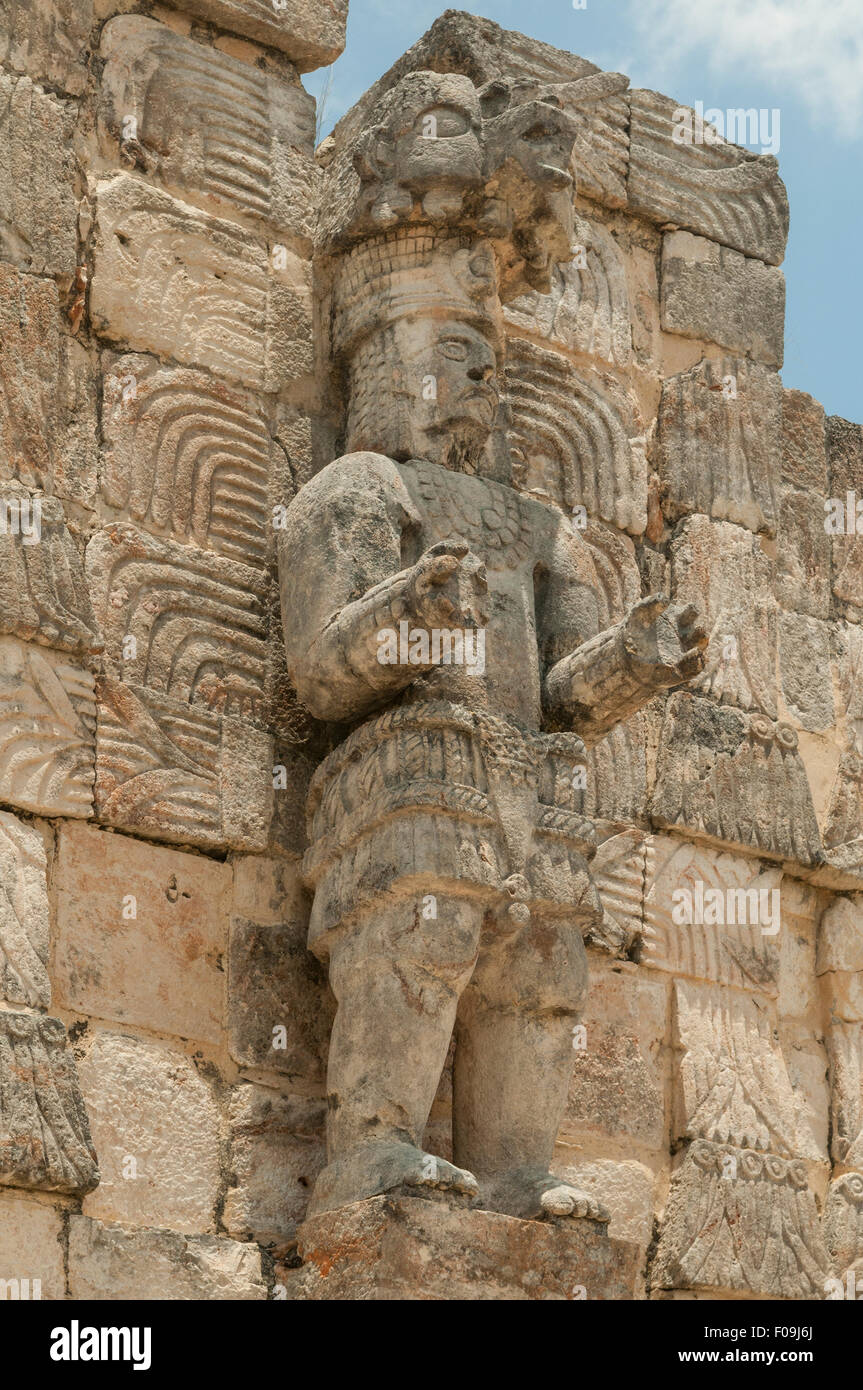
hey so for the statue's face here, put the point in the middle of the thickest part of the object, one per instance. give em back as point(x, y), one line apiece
point(449, 372)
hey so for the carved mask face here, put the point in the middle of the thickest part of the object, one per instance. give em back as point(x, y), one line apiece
point(449, 371)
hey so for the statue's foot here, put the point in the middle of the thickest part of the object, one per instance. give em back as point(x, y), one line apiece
point(372, 1169)
point(537, 1196)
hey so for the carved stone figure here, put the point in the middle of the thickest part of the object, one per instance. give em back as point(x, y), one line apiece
point(452, 622)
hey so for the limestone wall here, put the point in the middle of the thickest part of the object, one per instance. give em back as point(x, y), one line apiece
point(163, 1029)
point(158, 190)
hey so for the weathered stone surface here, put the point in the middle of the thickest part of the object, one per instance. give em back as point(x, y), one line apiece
point(715, 189)
point(727, 569)
point(803, 554)
point(197, 621)
point(126, 968)
point(732, 1086)
point(731, 953)
point(248, 138)
point(311, 32)
point(44, 1135)
point(625, 1188)
point(279, 1006)
point(47, 731)
point(840, 936)
point(845, 1050)
point(47, 393)
point(25, 919)
point(187, 456)
point(277, 1150)
point(409, 1248)
point(170, 280)
point(31, 1249)
point(577, 438)
point(712, 292)
point(155, 1125)
point(38, 216)
point(40, 568)
point(618, 872)
point(804, 668)
point(172, 771)
point(47, 40)
point(719, 443)
point(736, 778)
point(845, 466)
point(109, 1263)
point(738, 1221)
point(804, 442)
point(617, 1085)
point(843, 1223)
point(588, 309)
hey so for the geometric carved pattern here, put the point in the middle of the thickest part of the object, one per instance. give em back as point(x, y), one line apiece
point(718, 443)
point(197, 620)
point(731, 954)
point(44, 1134)
point(718, 190)
point(741, 1221)
point(24, 915)
point(576, 444)
point(234, 129)
point(47, 727)
point(186, 452)
point(738, 778)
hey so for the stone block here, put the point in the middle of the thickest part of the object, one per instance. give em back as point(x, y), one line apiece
point(280, 1008)
point(170, 771)
point(110, 1264)
point(393, 1248)
point(618, 1089)
point(25, 915)
point(741, 1222)
point(170, 280)
point(804, 669)
point(845, 466)
point(31, 1249)
point(188, 457)
point(736, 778)
point(47, 40)
point(712, 292)
point(245, 141)
point(47, 731)
point(38, 215)
point(44, 1135)
point(47, 393)
point(310, 32)
point(804, 442)
point(712, 188)
point(155, 1125)
point(278, 1148)
point(161, 968)
point(731, 953)
point(725, 569)
point(719, 443)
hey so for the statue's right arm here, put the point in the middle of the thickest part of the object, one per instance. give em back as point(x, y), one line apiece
point(343, 581)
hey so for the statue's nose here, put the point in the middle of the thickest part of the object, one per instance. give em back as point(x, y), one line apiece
point(484, 371)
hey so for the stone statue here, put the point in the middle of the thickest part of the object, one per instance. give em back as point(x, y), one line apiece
point(450, 620)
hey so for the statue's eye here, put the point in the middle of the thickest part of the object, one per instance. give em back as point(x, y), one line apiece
point(454, 348)
point(443, 123)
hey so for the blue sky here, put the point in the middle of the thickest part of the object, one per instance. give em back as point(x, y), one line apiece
point(803, 56)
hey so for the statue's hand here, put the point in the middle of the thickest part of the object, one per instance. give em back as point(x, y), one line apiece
point(665, 642)
point(449, 588)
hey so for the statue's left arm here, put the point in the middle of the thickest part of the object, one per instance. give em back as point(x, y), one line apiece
point(608, 675)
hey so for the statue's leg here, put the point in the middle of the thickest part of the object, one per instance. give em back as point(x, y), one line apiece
point(397, 976)
point(513, 1067)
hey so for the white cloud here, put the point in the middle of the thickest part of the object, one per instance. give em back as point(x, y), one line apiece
point(812, 48)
